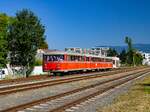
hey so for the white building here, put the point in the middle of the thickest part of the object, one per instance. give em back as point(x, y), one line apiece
point(40, 53)
point(146, 60)
point(99, 51)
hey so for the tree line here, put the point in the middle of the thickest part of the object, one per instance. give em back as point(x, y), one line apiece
point(129, 57)
point(20, 37)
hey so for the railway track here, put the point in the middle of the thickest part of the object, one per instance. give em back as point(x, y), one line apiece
point(28, 86)
point(76, 96)
point(43, 77)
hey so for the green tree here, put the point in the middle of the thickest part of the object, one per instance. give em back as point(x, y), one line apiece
point(122, 56)
point(138, 58)
point(43, 45)
point(132, 56)
point(112, 52)
point(129, 42)
point(4, 23)
point(129, 58)
point(26, 35)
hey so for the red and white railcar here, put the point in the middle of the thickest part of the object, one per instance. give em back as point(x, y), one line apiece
point(61, 61)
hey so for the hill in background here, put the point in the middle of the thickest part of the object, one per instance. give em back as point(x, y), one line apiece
point(140, 47)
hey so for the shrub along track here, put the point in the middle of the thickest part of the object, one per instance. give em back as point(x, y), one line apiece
point(35, 85)
point(23, 79)
point(93, 90)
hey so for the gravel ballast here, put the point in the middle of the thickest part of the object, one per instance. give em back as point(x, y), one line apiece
point(28, 96)
point(105, 99)
point(15, 99)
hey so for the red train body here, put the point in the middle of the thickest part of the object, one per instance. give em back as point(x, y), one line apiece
point(60, 61)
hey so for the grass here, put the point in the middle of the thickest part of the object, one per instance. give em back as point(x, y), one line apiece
point(137, 99)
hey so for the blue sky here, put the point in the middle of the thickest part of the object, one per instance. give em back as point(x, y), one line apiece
point(88, 23)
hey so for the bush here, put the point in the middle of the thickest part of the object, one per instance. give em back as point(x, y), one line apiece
point(38, 62)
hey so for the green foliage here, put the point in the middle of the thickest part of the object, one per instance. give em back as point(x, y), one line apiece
point(122, 56)
point(25, 36)
point(138, 58)
point(129, 56)
point(43, 45)
point(38, 62)
point(4, 23)
point(112, 52)
point(132, 56)
point(128, 41)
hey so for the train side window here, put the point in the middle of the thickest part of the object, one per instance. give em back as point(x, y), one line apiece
point(82, 58)
point(103, 60)
point(77, 58)
point(106, 60)
point(72, 58)
point(93, 59)
point(100, 59)
point(97, 59)
point(87, 58)
point(110, 60)
point(68, 58)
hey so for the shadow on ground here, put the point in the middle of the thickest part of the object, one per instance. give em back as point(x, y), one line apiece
point(144, 87)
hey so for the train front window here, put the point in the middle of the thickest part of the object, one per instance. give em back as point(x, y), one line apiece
point(55, 57)
point(44, 57)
